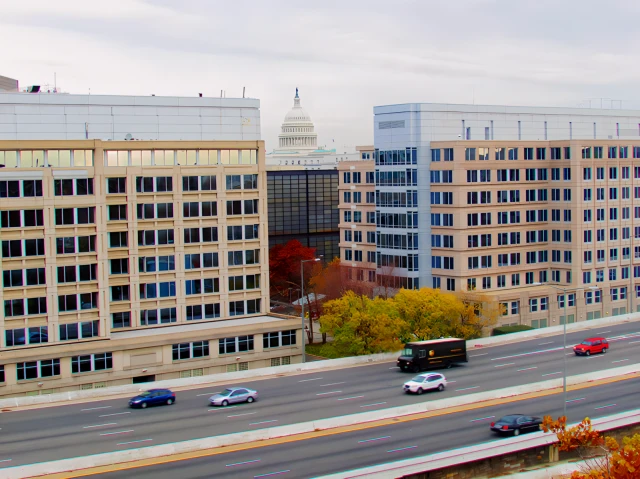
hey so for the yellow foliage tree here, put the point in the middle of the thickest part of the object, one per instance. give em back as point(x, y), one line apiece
point(426, 313)
point(478, 312)
point(360, 325)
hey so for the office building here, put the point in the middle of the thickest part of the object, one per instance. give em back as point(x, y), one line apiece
point(134, 261)
point(357, 207)
point(404, 136)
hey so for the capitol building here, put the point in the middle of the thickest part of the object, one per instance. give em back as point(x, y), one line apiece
point(298, 144)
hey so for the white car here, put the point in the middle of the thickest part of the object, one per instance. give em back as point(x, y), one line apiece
point(425, 382)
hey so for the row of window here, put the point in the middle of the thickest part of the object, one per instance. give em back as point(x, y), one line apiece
point(179, 157)
point(357, 197)
point(40, 334)
point(238, 344)
point(206, 234)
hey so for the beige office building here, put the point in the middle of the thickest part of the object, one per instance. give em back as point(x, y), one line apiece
point(134, 261)
point(510, 218)
point(358, 216)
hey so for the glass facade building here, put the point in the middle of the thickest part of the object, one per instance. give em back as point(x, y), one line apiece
point(303, 205)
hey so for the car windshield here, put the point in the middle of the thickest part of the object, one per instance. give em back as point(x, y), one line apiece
point(586, 343)
point(418, 379)
point(226, 392)
point(144, 394)
point(407, 352)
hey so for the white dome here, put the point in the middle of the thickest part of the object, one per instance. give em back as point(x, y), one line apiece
point(297, 131)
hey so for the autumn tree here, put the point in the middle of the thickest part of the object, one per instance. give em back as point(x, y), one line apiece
point(605, 458)
point(284, 266)
point(478, 312)
point(426, 313)
point(360, 325)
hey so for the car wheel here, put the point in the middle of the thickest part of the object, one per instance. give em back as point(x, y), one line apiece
point(516, 432)
point(604, 350)
point(143, 405)
point(250, 399)
point(419, 391)
point(441, 387)
point(169, 402)
point(225, 403)
point(588, 353)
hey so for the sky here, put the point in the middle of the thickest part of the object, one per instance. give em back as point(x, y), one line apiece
point(345, 56)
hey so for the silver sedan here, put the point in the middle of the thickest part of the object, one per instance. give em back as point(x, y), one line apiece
point(233, 395)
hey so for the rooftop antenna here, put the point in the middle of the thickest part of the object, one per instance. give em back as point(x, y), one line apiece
point(55, 82)
point(243, 89)
point(220, 93)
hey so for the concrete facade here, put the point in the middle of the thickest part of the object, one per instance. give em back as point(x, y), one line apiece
point(402, 139)
point(62, 116)
point(357, 198)
point(134, 261)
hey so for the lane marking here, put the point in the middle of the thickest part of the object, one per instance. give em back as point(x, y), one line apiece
point(207, 394)
point(115, 414)
point(174, 458)
point(375, 404)
point(395, 367)
point(551, 374)
point(634, 342)
point(451, 382)
point(332, 384)
point(306, 380)
point(604, 332)
point(374, 439)
point(575, 400)
point(96, 408)
point(402, 448)
point(482, 419)
point(527, 369)
point(243, 414)
point(596, 356)
point(242, 463)
point(466, 389)
point(329, 392)
point(620, 361)
point(542, 351)
point(6, 460)
point(476, 355)
point(350, 397)
point(548, 342)
point(134, 442)
point(271, 473)
point(608, 405)
point(262, 422)
point(220, 408)
point(117, 432)
point(503, 365)
point(101, 425)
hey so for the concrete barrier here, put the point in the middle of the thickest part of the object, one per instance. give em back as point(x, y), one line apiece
point(96, 460)
point(104, 393)
point(485, 450)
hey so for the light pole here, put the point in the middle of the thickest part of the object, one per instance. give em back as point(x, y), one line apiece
point(564, 336)
point(302, 262)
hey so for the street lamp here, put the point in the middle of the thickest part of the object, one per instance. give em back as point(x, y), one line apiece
point(564, 349)
point(302, 297)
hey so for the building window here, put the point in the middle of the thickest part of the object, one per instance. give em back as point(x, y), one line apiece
point(197, 349)
point(38, 369)
point(279, 339)
point(91, 362)
point(235, 345)
point(121, 320)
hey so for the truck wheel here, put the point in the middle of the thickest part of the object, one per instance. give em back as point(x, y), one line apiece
point(416, 368)
point(448, 365)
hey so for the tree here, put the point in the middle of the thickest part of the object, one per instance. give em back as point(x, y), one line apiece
point(426, 313)
point(284, 266)
point(478, 312)
point(360, 325)
point(613, 462)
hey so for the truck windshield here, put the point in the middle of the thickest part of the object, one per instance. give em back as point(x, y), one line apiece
point(407, 352)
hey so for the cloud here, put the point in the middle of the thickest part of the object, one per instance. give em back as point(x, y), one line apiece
point(345, 56)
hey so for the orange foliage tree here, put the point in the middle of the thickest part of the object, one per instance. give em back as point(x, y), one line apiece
point(605, 458)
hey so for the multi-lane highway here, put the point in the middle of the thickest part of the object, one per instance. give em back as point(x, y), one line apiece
point(368, 447)
point(81, 429)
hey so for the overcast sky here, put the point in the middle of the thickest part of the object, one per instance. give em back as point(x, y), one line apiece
point(345, 55)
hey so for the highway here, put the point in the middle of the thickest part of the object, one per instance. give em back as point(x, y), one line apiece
point(74, 430)
point(368, 447)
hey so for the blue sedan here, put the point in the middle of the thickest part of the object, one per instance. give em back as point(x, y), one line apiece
point(153, 397)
